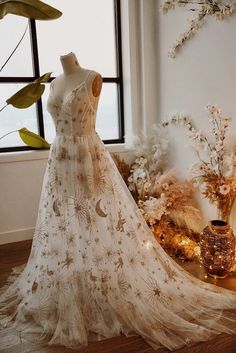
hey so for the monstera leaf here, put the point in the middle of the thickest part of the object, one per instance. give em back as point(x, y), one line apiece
point(33, 140)
point(29, 94)
point(33, 9)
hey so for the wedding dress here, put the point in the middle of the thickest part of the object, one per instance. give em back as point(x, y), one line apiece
point(95, 269)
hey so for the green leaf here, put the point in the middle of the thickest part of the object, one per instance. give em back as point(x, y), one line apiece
point(33, 140)
point(29, 94)
point(33, 9)
point(26, 96)
point(44, 78)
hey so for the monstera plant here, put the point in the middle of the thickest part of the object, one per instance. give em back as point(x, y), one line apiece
point(31, 93)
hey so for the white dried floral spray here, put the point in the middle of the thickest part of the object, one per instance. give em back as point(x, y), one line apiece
point(216, 8)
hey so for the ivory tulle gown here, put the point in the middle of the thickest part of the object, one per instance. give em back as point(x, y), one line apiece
point(95, 269)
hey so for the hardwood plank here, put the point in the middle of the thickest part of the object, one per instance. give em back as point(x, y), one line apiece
point(15, 254)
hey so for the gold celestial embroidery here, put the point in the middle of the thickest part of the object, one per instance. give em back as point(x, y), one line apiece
point(41, 233)
point(80, 208)
point(55, 251)
point(34, 287)
point(68, 260)
point(170, 272)
point(122, 283)
point(120, 223)
point(130, 307)
point(62, 154)
point(81, 178)
point(97, 182)
point(108, 253)
point(92, 277)
point(55, 208)
point(62, 225)
point(84, 257)
point(71, 239)
point(131, 234)
point(119, 263)
point(153, 290)
point(50, 272)
point(138, 294)
point(133, 260)
point(97, 260)
point(98, 209)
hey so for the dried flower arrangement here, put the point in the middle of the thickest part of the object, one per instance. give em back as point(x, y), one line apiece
point(166, 202)
point(216, 8)
point(215, 173)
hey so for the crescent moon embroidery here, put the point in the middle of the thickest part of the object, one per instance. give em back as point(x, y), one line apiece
point(55, 208)
point(99, 211)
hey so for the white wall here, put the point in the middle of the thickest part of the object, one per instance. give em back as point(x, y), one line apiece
point(21, 181)
point(204, 71)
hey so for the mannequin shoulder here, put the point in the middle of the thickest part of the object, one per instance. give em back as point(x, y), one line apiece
point(57, 84)
point(96, 83)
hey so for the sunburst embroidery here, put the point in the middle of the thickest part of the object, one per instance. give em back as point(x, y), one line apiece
point(80, 207)
point(108, 254)
point(132, 258)
point(122, 283)
point(68, 260)
point(97, 182)
point(119, 263)
point(153, 291)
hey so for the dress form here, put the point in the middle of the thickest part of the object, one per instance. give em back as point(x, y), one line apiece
point(73, 75)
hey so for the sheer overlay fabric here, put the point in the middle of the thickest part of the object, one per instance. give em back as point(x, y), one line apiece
point(95, 270)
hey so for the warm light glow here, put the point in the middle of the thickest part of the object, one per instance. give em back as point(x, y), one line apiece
point(149, 245)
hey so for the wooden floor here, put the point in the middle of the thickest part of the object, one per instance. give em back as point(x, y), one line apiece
point(12, 255)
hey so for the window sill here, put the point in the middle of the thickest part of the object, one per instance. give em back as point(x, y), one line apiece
point(22, 156)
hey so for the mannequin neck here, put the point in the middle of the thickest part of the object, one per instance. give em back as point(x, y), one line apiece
point(70, 64)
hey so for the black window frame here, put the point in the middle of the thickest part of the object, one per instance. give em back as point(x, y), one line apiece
point(118, 80)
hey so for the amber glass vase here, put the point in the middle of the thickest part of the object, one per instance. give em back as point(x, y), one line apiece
point(217, 244)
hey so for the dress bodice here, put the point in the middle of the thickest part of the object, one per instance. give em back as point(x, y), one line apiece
point(74, 114)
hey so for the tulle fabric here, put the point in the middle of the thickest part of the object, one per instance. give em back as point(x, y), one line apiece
point(95, 271)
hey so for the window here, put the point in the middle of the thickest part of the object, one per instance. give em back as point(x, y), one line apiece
point(92, 30)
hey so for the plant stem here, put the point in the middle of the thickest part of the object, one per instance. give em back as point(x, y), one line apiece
point(15, 48)
point(3, 108)
point(1, 137)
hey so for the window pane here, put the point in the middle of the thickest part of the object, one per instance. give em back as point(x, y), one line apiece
point(107, 116)
point(14, 119)
point(49, 127)
point(85, 28)
point(11, 30)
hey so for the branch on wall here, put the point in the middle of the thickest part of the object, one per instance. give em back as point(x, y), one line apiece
point(215, 8)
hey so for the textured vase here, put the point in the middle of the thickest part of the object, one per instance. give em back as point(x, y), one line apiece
point(217, 244)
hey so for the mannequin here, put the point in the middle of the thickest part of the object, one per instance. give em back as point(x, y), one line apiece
point(73, 75)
